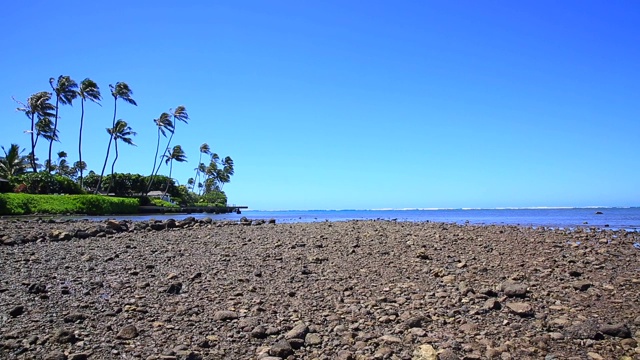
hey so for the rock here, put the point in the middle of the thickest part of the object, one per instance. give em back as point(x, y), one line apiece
point(618, 330)
point(128, 332)
point(491, 304)
point(64, 336)
point(414, 322)
point(594, 356)
point(74, 317)
point(425, 352)
point(390, 339)
point(345, 355)
point(16, 311)
point(79, 356)
point(225, 315)
point(447, 354)
point(175, 288)
point(271, 221)
point(296, 343)
point(281, 349)
point(514, 289)
point(298, 332)
point(55, 355)
point(584, 330)
point(582, 285)
point(312, 339)
point(113, 225)
point(521, 309)
point(259, 332)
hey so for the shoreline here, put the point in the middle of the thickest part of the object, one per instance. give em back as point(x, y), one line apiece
point(323, 290)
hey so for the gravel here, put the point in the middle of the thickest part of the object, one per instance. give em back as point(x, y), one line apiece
point(202, 289)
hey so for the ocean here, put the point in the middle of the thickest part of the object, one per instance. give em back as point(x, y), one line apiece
point(601, 217)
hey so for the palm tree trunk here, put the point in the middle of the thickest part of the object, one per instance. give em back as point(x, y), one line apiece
point(53, 137)
point(169, 179)
point(195, 179)
point(80, 140)
point(168, 147)
point(113, 166)
point(33, 143)
point(155, 161)
point(104, 166)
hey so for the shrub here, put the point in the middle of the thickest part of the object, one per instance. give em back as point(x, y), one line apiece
point(44, 183)
point(24, 204)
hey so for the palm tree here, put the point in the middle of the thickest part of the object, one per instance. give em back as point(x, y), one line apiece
point(176, 154)
point(164, 124)
point(88, 90)
point(37, 105)
point(13, 163)
point(122, 131)
point(179, 114)
point(65, 90)
point(204, 149)
point(120, 91)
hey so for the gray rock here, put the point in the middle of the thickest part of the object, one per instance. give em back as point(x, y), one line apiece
point(511, 289)
point(74, 317)
point(225, 315)
point(64, 336)
point(128, 332)
point(298, 332)
point(312, 339)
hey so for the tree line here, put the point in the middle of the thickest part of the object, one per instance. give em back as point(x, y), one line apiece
point(42, 110)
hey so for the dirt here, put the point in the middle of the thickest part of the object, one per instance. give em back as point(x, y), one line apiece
point(200, 289)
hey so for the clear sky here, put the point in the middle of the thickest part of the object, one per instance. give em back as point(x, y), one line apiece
point(353, 104)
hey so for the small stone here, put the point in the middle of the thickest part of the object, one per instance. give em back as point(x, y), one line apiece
point(16, 311)
point(521, 309)
point(514, 289)
point(298, 332)
point(79, 356)
point(74, 317)
point(128, 332)
point(175, 288)
point(594, 356)
point(345, 355)
point(281, 349)
point(224, 315)
point(259, 332)
point(447, 354)
point(425, 352)
point(618, 330)
point(582, 285)
point(390, 339)
point(312, 339)
point(64, 336)
point(55, 355)
point(491, 304)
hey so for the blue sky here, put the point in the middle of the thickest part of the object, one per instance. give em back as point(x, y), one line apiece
point(353, 104)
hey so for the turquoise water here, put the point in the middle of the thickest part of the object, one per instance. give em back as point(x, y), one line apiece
point(614, 218)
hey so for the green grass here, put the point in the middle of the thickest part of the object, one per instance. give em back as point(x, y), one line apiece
point(160, 202)
point(25, 204)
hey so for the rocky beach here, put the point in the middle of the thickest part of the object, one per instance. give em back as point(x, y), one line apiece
point(203, 289)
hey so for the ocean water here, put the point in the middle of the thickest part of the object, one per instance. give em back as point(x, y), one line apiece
point(613, 218)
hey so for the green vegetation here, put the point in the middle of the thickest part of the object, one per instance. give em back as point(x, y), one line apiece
point(25, 177)
point(25, 204)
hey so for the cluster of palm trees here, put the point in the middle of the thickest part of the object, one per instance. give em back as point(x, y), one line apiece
point(43, 114)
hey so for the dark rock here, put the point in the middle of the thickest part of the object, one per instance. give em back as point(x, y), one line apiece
point(281, 349)
point(175, 288)
point(618, 330)
point(492, 304)
point(79, 356)
point(271, 221)
point(170, 224)
point(259, 332)
point(414, 322)
point(296, 343)
point(17, 311)
point(584, 330)
point(64, 336)
point(37, 289)
point(81, 234)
